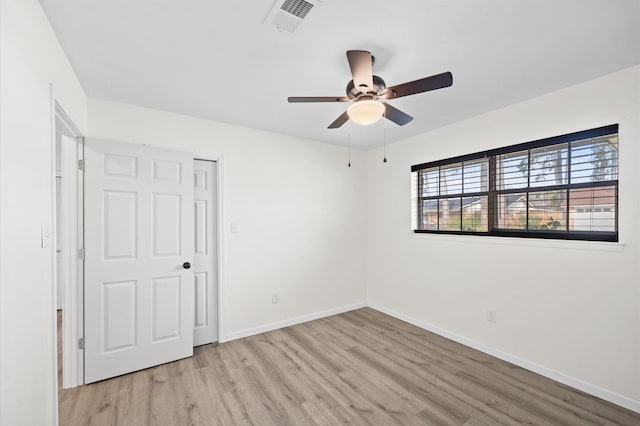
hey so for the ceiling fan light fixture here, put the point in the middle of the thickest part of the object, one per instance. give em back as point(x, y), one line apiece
point(365, 112)
point(365, 89)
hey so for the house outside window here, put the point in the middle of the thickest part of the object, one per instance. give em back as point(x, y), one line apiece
point(563, 187)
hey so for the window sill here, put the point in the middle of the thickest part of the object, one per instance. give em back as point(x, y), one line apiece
point(522, 242)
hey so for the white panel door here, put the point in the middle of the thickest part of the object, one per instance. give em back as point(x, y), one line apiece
point(138, 233)
point(205, 260)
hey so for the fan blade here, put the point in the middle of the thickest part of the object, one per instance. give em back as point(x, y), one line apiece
point(426, 84)
point(296, 99)
point(339, 121)
point(395, 115)
point(361, 69)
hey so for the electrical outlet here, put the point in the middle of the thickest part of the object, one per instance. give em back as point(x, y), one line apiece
point(492, 316)
point(275, 298)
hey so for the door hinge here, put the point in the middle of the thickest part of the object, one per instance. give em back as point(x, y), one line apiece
point(81, 165)
point(81, 254)
point(81, 343)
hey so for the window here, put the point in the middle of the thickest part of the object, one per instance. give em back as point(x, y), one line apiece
point(564, 187)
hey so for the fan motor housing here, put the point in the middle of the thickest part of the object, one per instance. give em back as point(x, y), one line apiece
point(378, 86)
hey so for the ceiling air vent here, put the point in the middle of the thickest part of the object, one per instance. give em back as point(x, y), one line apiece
point(299, 8)
point(286, 15)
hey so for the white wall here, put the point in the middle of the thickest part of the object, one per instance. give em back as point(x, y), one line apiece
point(30, 59)
point(303, 218)
point(301, 213)
point(570, 307)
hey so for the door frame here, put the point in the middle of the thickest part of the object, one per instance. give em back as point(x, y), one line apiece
point(73, 242)
point(73, 306)
point(219, 160)
point(57, 114)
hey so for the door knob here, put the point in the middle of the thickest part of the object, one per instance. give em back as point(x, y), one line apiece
point(186, 265)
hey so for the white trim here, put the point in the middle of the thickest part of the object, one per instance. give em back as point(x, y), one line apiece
point(219, 159)
point(78, 326)
point(73, 308)
point(589, 388)
point(222, 301)
point(293, 321)
point(66, 119)
point(523, 242)
point(54, 268)
point(73, 228)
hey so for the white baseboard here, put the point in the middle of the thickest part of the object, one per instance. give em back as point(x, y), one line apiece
point(292, 321)
point(594, 390)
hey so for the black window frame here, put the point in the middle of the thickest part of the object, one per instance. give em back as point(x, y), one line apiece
point(492, 192)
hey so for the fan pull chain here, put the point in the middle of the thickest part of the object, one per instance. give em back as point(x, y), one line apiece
point(384, 136)
point(349, 144)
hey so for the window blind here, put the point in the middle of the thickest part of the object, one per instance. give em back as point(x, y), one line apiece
point(563, 187)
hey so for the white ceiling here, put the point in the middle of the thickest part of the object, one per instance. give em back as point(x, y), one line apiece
point(220, 61)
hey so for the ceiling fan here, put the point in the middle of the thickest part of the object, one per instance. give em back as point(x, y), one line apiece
point(366, 89)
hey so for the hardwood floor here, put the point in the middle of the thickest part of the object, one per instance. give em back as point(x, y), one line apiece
point(361, 367)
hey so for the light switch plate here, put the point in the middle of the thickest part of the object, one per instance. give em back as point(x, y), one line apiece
point(45, 235)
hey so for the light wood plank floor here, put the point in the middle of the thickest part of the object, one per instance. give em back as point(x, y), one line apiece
point(361, 367)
